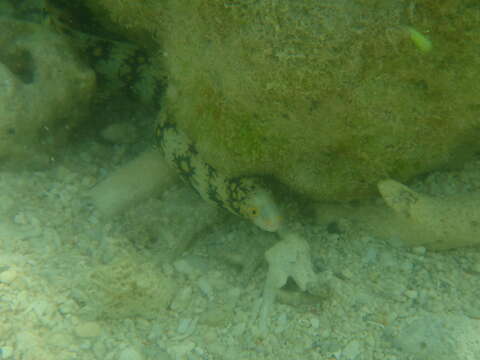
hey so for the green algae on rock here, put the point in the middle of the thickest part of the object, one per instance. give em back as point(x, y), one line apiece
point(328, 98)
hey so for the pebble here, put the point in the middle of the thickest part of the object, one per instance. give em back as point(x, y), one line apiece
point(239, 329)
point(100, 350)
point(472, 312)
point(156, 332)
point(61, 339)
point(21, 219)
point(476, 267)
point(315, 322)
point(183, 325)
point(411, 294)
point(406, 266)
point(182, 299)
point(6, 352)
point(352, 350)
point(8, 276)
point(282, 323)
point(88, 329)
point(183, 266)
point(419, 250)
point(371, 256)
point(205, 287)
point(182, 349)
point(130, 353)
point(439, 337)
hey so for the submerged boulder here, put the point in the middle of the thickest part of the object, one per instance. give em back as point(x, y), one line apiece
point(329, 98)
point(45, 92)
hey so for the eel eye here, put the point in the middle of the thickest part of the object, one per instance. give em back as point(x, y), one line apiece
point(253, 212)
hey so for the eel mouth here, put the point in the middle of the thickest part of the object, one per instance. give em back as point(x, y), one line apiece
point(272, 225)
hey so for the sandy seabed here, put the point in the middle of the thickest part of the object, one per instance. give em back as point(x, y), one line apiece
point(75, 286)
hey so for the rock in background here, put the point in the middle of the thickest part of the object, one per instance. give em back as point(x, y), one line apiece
point(45, 92)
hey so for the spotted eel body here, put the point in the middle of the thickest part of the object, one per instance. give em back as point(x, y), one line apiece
point(126, 69)
point(243, 196)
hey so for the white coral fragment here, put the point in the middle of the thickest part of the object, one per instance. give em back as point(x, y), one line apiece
point(288, 258)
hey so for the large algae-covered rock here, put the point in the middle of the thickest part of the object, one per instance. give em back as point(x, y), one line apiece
point(45, 92)
point(329, 97)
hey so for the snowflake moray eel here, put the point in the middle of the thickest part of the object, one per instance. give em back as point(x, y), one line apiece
point(244, 196)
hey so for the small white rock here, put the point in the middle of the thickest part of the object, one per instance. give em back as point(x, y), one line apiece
point(419, 250)
point(411, 294)
point(205, 287)
point(181, 350)
point(184, 267)
point(352, 350)
point(183, 325)
point(8, 276)
point(88, 329)
point(6, 352)
point(182, 299)
point(63, 340)
point(130, 353)
point(476, 267)
point(238, 329)
point(20, 219)
point(315, 322)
